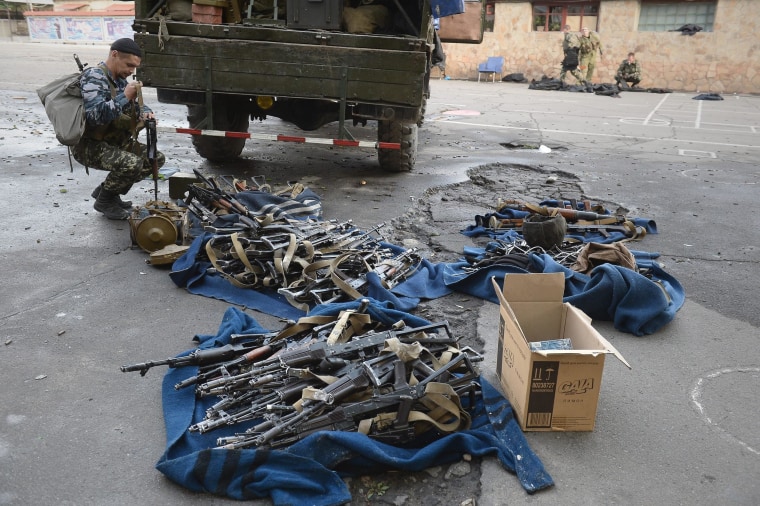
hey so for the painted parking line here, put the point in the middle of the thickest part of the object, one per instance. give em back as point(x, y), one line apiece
point(696, 153)
point(645, 121)
point(699, 114)
point(659, 104)
point(595, 134)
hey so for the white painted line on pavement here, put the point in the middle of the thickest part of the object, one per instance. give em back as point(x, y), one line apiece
point(656, 107)
point(593, 134)
point(699, 114)
point(698, 154)
point(531, 112)
point(696, 399)
point(644, 121)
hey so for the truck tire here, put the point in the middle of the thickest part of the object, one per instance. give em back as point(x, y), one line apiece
point(226, 118)
point(397, 160)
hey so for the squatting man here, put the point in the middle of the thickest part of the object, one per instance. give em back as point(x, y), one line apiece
point(114, 118)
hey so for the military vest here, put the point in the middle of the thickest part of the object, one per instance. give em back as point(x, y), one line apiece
point(119, 130)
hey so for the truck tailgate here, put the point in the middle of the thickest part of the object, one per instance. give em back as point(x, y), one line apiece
point(289, 63)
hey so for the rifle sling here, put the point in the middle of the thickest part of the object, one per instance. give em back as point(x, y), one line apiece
point(445, 413)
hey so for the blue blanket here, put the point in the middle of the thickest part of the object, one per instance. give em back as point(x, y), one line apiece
point(480, 229)
point(312, 470)
point(636, 304)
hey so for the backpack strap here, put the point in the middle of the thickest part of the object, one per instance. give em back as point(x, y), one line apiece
point(111, 83)
point(135, 109)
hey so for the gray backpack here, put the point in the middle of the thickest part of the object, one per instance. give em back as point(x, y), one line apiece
point(64, 106)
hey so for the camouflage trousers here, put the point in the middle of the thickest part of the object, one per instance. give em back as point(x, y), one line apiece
point(126, 163)
point(588, 65)
point(575, 73)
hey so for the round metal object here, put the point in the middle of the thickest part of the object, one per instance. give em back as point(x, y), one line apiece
point(155, 232)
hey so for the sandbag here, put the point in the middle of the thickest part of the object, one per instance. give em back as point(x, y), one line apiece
point(366, 18)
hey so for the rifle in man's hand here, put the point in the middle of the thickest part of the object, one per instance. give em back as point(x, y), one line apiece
point(150, 132)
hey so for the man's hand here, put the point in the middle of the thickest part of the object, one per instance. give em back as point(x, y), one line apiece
point(132, 89)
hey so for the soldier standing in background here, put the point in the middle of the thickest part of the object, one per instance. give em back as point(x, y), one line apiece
point(590, 42)
point(113, 119)
point(570, 47)
point(629, 71)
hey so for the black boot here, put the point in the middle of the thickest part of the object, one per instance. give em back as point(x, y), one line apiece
point(126, 204)
point(108, 204)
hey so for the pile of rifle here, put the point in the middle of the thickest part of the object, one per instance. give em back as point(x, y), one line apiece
point(581, 216)
point(393, 385)
point(307, 261)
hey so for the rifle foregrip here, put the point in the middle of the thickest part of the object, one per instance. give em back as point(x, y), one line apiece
point(258, 354)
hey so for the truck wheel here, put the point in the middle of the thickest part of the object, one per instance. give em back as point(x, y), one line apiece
point(226, 118)
point(397, 160)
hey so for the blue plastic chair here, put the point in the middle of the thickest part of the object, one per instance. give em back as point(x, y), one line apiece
point(492, 66)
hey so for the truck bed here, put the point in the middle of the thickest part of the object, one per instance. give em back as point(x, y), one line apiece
point(263, 60)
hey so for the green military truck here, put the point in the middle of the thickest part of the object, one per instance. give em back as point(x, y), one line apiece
point(307, 62)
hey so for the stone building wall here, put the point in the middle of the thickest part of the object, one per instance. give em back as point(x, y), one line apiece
point(720, 61)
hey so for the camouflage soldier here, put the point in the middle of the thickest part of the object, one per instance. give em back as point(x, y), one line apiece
point(110, 139)
point(570, 45)
point(629, 71)
point(590, 43)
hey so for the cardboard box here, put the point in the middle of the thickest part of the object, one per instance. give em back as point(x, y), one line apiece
point(209, 14)
point(549, 389)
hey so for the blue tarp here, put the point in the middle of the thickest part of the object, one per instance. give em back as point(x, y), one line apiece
point(312, 470)
point(635, 303)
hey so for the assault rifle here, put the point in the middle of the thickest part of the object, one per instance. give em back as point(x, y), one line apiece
point(212, 198)
point(202, 212)
point(231, 366)
point(152, 151)
point(322, 413)
point(320, 354)
point(354, 380)
point(224, 198)
point(243, 352)
point(79, 63)
point(391, 271)
point(221, 414)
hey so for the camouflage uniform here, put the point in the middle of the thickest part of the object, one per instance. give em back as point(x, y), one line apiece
point(589, 47)
point(629, 72)
point(107, 143)
point(570, 45)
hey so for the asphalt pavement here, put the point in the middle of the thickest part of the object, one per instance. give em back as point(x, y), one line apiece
point(680, 427)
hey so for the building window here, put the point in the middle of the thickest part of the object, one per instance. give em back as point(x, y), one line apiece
point(552, 16)
point(662, 16)
point(490, 12)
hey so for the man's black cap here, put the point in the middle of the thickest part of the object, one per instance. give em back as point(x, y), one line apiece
point(127, 45)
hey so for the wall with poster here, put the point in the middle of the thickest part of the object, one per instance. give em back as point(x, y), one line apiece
point(93, 27)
